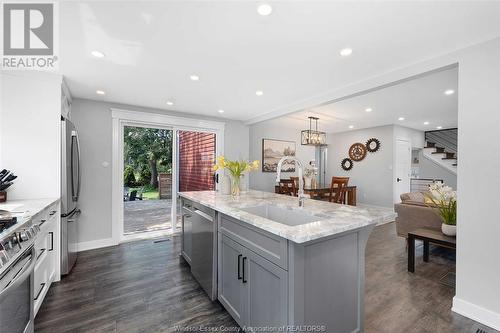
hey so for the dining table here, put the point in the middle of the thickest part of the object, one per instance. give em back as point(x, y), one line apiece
point(318, 192)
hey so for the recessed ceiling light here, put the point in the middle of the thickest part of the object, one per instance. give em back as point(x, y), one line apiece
point(221, 111)
point(170, 103)
point(97, 54)
point(368, 110)
point(401, 118)
point(439, 127)
point(351, 126)
point(100, 92)
point(346, 52)
point(426, 123)
point(259, 93)
point(194, 77)
point(449, 92)
point(264, 9)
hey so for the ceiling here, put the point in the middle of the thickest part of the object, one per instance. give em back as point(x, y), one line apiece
point(152, 48)
point(419, 100)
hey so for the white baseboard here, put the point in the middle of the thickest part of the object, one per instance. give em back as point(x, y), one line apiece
point(477, 313)
point(95, 244)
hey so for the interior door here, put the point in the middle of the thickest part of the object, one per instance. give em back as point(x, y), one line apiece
point(402, 169)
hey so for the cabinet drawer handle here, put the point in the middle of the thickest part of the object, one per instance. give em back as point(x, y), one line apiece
point(51, 241)
point(239, 266)
point(244, 280)
point(42, 222)
point(52, 212)
point(40, 291)
point(40, 254)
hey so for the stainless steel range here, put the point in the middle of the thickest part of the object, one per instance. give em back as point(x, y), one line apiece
point(17, 263)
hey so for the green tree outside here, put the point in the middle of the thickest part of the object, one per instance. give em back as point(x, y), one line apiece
point(147, 151)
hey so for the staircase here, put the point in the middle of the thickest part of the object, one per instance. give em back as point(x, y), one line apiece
point(441, 148)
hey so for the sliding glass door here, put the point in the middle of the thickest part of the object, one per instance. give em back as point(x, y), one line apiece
point(147, 179)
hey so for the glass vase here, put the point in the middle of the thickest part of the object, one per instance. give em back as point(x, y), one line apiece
point(235, 186)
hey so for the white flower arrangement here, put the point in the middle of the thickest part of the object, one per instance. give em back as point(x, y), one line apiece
point(446, 201)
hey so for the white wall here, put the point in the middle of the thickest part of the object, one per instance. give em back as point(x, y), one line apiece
point(30, 131)
point(478, 226)
point(415, 137)
point(272, 129)
point(94, 123)
point(373, 175)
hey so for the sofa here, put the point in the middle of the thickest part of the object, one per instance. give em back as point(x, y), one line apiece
point(414, 212)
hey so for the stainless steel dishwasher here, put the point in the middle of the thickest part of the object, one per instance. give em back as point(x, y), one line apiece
point(204, 250)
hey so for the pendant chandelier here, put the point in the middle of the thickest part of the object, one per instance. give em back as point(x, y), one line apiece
point(313, 137)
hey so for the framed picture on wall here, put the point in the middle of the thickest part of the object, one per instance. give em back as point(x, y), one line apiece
point(273, 151)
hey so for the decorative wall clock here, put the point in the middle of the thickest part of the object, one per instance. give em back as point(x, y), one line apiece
point(373, 145)
point(357, 152)
point(346, 164)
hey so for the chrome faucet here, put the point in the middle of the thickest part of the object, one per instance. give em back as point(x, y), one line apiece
point(300, 193)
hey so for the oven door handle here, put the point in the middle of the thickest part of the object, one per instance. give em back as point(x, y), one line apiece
point(22, 275)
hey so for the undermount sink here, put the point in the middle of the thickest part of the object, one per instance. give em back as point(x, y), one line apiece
point(281, 215)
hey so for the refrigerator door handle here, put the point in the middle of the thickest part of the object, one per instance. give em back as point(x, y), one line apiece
point(79, 173)
point(72, 167)
point(75, 193)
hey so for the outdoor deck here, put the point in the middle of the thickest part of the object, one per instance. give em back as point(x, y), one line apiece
point(147, 215)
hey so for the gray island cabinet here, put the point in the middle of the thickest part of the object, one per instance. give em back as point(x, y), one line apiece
point(274, 271)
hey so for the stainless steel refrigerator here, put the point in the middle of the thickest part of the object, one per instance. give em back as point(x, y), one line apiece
point(70, 191)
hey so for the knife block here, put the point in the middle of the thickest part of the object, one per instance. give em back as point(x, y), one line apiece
point(3, 196)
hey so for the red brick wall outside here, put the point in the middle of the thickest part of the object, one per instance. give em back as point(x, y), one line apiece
point(196, 158)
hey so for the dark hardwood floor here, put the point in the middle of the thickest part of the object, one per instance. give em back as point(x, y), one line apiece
point(144, 287)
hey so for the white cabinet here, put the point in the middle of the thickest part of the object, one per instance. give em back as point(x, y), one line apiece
point(46, 246)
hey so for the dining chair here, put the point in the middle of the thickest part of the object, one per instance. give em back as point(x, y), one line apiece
point(286, 186)
point(338, 190)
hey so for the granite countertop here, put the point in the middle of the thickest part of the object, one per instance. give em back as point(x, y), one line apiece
point(331, 218)
point(24, 210)
point(28, 207)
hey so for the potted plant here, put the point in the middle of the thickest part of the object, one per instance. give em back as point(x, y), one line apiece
point(236, 170)
point(445, 201)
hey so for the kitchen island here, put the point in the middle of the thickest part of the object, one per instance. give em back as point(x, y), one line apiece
point(276, 265)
